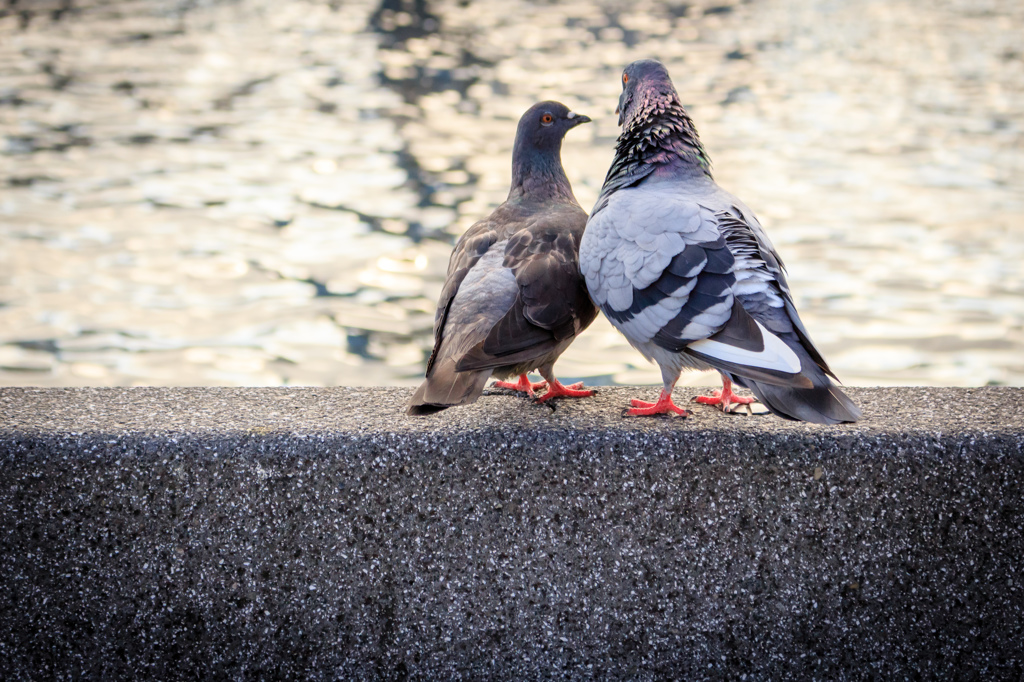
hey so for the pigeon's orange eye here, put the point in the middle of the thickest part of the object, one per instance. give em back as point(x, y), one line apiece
point(625, 78)
point(546, 119)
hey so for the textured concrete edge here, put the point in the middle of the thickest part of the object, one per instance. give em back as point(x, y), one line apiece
point(293, 423)
point(318, 533)
point(22, 448)
point(358, 411)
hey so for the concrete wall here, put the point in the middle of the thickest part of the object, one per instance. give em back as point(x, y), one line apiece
point(320, 533)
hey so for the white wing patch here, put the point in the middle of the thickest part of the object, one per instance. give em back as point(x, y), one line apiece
point(776, 354)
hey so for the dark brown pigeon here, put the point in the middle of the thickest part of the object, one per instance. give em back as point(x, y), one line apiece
point(514, 298)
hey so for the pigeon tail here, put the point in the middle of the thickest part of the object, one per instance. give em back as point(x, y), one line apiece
point(779, 369)
point(807, 395)
point(822, 404)
point(446, 388)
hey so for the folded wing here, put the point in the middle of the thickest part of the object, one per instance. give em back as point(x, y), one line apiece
point(698, 277)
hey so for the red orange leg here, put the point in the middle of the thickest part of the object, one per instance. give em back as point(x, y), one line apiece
point(663, 406)
point(724, 398)
point(524, 384)
point(557, 390)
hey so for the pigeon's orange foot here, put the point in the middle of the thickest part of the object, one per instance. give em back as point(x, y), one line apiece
point(664, 405)
point(557, 390)
point(524, 384)
point(724, 398)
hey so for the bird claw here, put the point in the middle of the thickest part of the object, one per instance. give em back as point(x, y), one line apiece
point(642, 408)
point(524, 385)
point(724, 400)
point(557, 390)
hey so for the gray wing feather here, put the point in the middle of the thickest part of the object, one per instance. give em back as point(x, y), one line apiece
point(657, 266)
point(513, 295)
point(485, 293)
point(672, 265)
point(762, 285)
point(468, 251)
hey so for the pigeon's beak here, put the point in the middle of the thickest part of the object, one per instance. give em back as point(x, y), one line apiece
point(577, 119)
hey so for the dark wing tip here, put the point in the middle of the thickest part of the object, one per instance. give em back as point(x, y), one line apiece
point(822, 404)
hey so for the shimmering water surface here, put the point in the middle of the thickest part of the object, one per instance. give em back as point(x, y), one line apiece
point(265, 192)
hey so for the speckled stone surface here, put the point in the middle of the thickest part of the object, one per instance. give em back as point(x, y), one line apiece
point(321, 534)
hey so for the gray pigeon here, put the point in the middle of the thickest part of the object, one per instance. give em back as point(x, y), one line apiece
point(685, 271)
point(514, 299)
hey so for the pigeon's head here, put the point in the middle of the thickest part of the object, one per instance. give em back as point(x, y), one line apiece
point(536, 157)
point(544, 125)
point(645, 83)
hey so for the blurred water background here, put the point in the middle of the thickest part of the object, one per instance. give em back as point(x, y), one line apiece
point(265, 192)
